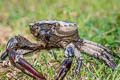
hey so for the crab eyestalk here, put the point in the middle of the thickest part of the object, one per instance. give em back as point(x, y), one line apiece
point(19, 62)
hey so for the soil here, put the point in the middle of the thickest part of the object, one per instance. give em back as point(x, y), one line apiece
point(5, 34)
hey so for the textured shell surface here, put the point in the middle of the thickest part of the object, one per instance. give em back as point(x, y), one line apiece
point(64, 25)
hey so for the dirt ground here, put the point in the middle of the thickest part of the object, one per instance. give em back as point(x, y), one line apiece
point(5, 33)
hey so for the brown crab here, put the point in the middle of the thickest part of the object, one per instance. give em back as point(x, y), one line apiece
point(55, 34)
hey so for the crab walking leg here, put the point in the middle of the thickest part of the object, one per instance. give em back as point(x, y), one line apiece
point(99, 56)
point(77, 70)
point(102, 51)
point(65, 67)
point(21, 45)
point(78, 56)
point(102, 47)
point(72, 50)
point(97, 52)
point(18, 61)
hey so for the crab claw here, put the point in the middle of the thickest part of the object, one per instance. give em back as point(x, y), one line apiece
point(18, 61)
point(9, 45)
point(65, 67)
point(4, 55)
point(20, 45)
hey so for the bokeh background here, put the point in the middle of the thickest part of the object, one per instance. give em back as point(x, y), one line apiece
point(97, 20)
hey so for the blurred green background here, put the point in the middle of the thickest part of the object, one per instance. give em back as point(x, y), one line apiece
point(98, 20)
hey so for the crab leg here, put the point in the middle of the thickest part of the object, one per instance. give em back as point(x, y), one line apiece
point(66, 64)
point(77, 70)
point(98, 51)
point(71, 50)
point(102, 47)
point(78, 56)
point(18, 61)
point(65, 67)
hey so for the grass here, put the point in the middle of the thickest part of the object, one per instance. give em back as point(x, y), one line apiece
point(98, 20)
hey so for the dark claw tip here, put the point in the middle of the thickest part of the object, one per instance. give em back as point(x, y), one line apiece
point(4, 55)
point(8, 49)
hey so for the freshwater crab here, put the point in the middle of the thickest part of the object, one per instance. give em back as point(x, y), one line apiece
point(55, 34)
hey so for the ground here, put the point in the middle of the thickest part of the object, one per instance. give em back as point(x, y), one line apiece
point(98, 20)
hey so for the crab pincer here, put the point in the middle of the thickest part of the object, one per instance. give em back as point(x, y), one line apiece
point(19, 62)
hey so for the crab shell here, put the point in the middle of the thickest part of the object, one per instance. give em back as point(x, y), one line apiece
point(63, 28)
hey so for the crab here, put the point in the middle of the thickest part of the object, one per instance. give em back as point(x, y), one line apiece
point(55, 34)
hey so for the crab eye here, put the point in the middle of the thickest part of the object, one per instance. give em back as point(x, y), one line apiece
point(36, 27)
point(57, 24)
point(31, 25)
